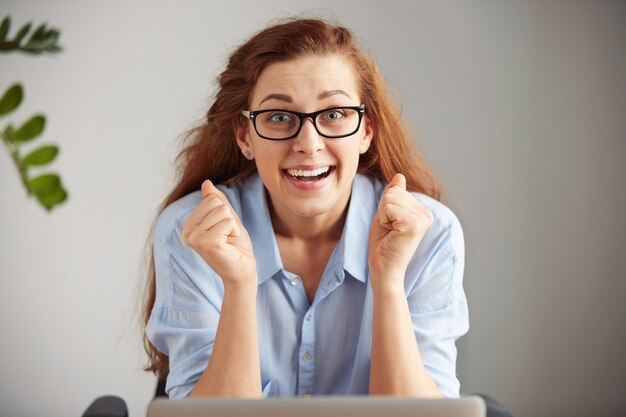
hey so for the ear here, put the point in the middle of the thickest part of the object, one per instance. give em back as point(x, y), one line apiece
point(243, 137)
point(367, 138)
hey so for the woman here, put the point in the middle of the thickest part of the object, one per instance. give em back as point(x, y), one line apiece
point(304, 250)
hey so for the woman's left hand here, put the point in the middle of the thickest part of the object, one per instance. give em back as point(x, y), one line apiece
point(398, 227)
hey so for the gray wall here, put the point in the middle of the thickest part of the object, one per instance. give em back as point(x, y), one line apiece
point(519, 107)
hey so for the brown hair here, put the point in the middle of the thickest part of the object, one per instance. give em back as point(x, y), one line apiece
point(211, 151)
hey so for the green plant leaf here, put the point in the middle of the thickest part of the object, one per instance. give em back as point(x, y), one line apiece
point(37, 34)
point(8, 132)
point(31, 129)
point(44, 184)
point(48, 40)
point(42, 156)
point(22, 33)
point(56, 196)
point(11, 99)
point(4, 28)
point(53, 36)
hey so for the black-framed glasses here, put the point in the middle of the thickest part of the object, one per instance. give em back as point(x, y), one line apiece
point(333, 122)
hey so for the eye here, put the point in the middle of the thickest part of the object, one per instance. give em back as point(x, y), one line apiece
point(333, 115)
point(280, 117)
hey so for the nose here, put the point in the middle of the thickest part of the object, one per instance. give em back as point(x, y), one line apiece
point(308, 140)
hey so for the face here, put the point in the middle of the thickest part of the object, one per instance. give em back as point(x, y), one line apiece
point(309, 175)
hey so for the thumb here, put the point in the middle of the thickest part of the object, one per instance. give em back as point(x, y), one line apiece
point(398, 180)
point(207, 188)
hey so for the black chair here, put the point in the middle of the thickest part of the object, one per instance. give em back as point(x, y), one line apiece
point(112, 406)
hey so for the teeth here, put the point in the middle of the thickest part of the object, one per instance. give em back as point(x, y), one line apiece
point(313, 173)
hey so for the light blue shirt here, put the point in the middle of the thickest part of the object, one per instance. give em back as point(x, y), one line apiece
point(323, 348)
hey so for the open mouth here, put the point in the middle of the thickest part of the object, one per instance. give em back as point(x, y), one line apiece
point(310, 176)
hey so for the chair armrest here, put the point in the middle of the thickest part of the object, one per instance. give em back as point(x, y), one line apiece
point(494, 408)
point(107, 406)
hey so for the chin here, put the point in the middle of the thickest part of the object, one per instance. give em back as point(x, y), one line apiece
point(310, 209)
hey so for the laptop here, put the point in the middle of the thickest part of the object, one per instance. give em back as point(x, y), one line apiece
point(355, 406)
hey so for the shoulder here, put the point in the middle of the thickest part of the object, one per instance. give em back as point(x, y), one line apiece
point(444, 242)
point(434, 278)
point(175, 215)
point(445, 221)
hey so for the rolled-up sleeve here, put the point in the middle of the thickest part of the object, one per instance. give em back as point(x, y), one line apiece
point(437, 301)
point(184, 319)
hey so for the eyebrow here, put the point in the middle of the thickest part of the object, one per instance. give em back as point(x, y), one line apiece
point(281, 97)
point(286, 98)
point(329, 93)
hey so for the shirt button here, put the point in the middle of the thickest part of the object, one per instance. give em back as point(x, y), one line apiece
point(307, 357)
point(308, 317)
point(294, 281)
point(307, 395)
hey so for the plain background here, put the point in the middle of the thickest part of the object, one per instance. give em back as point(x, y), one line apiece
point(519, 108)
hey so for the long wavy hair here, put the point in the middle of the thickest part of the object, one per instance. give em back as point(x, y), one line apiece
point(210, 150)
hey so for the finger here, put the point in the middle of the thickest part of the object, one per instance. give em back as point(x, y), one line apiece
point(217, 215)
point(215, 237)
point(398, 180)
point(206, 188)
point(403, 198)
point(198, 215)
point(400, 217)
point(397, 184)
point(399, 196)
point(205, 206)
point(391, 214)
point(209, 188)
point(226, 228)
point(217, 227)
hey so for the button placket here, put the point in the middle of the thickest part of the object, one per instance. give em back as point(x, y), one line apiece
point(306, 355)
point(295, 291)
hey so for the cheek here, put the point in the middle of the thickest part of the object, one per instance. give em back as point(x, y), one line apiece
point(348, 153)
point(263, 164)
point(348, 157)
point(268, 157)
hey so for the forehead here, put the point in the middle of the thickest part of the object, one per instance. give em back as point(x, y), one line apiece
point(306, 78)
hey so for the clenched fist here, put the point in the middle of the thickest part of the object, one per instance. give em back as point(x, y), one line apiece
point(398, 227)
point(215, 232)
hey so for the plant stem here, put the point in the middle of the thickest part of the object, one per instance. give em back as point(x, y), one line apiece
point(14, 155)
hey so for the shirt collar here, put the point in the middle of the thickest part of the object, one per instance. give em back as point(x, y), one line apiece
point(363, 206)
point(256, 219)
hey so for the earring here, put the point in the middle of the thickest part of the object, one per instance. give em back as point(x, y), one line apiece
point(248, 154)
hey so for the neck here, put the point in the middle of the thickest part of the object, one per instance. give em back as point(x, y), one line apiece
point(319, 229)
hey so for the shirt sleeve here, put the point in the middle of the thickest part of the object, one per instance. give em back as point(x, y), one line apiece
point(184, 319)
point(437, 301)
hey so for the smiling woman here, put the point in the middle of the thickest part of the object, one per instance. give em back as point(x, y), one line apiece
point(321, 85)
point(304, 250)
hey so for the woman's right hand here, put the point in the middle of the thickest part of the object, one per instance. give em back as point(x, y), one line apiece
point(215, 232)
